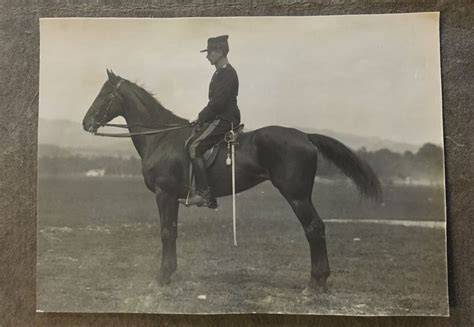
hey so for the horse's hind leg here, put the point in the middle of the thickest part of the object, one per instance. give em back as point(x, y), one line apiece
point(315, 234)
point(294, 178)
point(168, 208)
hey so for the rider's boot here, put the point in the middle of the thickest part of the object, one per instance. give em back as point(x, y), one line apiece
point(202, 195)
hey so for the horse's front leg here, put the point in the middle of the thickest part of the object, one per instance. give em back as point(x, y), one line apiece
point(168, 209)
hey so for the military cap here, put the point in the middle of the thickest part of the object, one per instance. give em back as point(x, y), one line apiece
point(217, 43)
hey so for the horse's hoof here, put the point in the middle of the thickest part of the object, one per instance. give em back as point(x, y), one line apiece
point(309, 291)
point(314, 290)
point(163, 281)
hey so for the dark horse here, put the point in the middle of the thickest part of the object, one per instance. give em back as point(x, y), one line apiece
point(285, 156)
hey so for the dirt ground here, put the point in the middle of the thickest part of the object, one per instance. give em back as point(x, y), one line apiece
point(99, 251)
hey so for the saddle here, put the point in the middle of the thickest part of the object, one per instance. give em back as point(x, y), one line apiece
point(211, 154)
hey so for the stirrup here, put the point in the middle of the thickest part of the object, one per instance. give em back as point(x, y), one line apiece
point(200, 199)
point(211, 204)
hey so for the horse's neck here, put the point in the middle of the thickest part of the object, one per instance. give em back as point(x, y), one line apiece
point(139, 115)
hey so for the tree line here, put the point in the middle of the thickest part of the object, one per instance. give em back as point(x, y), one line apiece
point(426, 164)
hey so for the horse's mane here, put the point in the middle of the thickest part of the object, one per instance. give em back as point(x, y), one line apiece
point(148, 100)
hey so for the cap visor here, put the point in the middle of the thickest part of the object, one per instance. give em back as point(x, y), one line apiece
point(205, 50)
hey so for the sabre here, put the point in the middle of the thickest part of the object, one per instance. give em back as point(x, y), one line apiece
point(231, 161)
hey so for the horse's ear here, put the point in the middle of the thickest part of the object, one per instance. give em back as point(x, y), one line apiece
point(110, 74)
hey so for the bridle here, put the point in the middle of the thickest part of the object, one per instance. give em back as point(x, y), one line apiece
point(113, 95)
point(151, 131)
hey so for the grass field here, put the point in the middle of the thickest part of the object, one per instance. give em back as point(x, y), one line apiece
point(99, 251)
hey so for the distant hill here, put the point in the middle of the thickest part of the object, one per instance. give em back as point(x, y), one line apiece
point(72, 139)
point(356, 142)
point(65, 138)
point(49, 150)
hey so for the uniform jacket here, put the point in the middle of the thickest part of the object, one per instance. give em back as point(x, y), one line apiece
point(223, 91)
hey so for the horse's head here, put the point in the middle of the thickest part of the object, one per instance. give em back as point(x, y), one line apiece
point(106, 106)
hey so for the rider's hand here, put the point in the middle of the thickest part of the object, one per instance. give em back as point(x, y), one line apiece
point(197, 124)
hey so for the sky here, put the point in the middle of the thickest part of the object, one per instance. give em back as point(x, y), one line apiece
point(367, 75)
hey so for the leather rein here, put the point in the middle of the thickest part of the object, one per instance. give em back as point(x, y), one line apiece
point(150, 131)
point(166, 128)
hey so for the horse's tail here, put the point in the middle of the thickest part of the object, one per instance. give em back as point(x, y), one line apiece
point(351, 165)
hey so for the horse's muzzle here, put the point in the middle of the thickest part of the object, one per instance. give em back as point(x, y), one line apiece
point(90, 126)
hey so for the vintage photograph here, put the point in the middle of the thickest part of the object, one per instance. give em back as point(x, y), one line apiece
point(242, 165)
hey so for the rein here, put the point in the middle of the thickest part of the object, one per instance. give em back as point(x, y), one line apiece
point(144, 126)
point(167, 128)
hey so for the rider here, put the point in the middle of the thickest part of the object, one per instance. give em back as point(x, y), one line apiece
point(217, 118)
